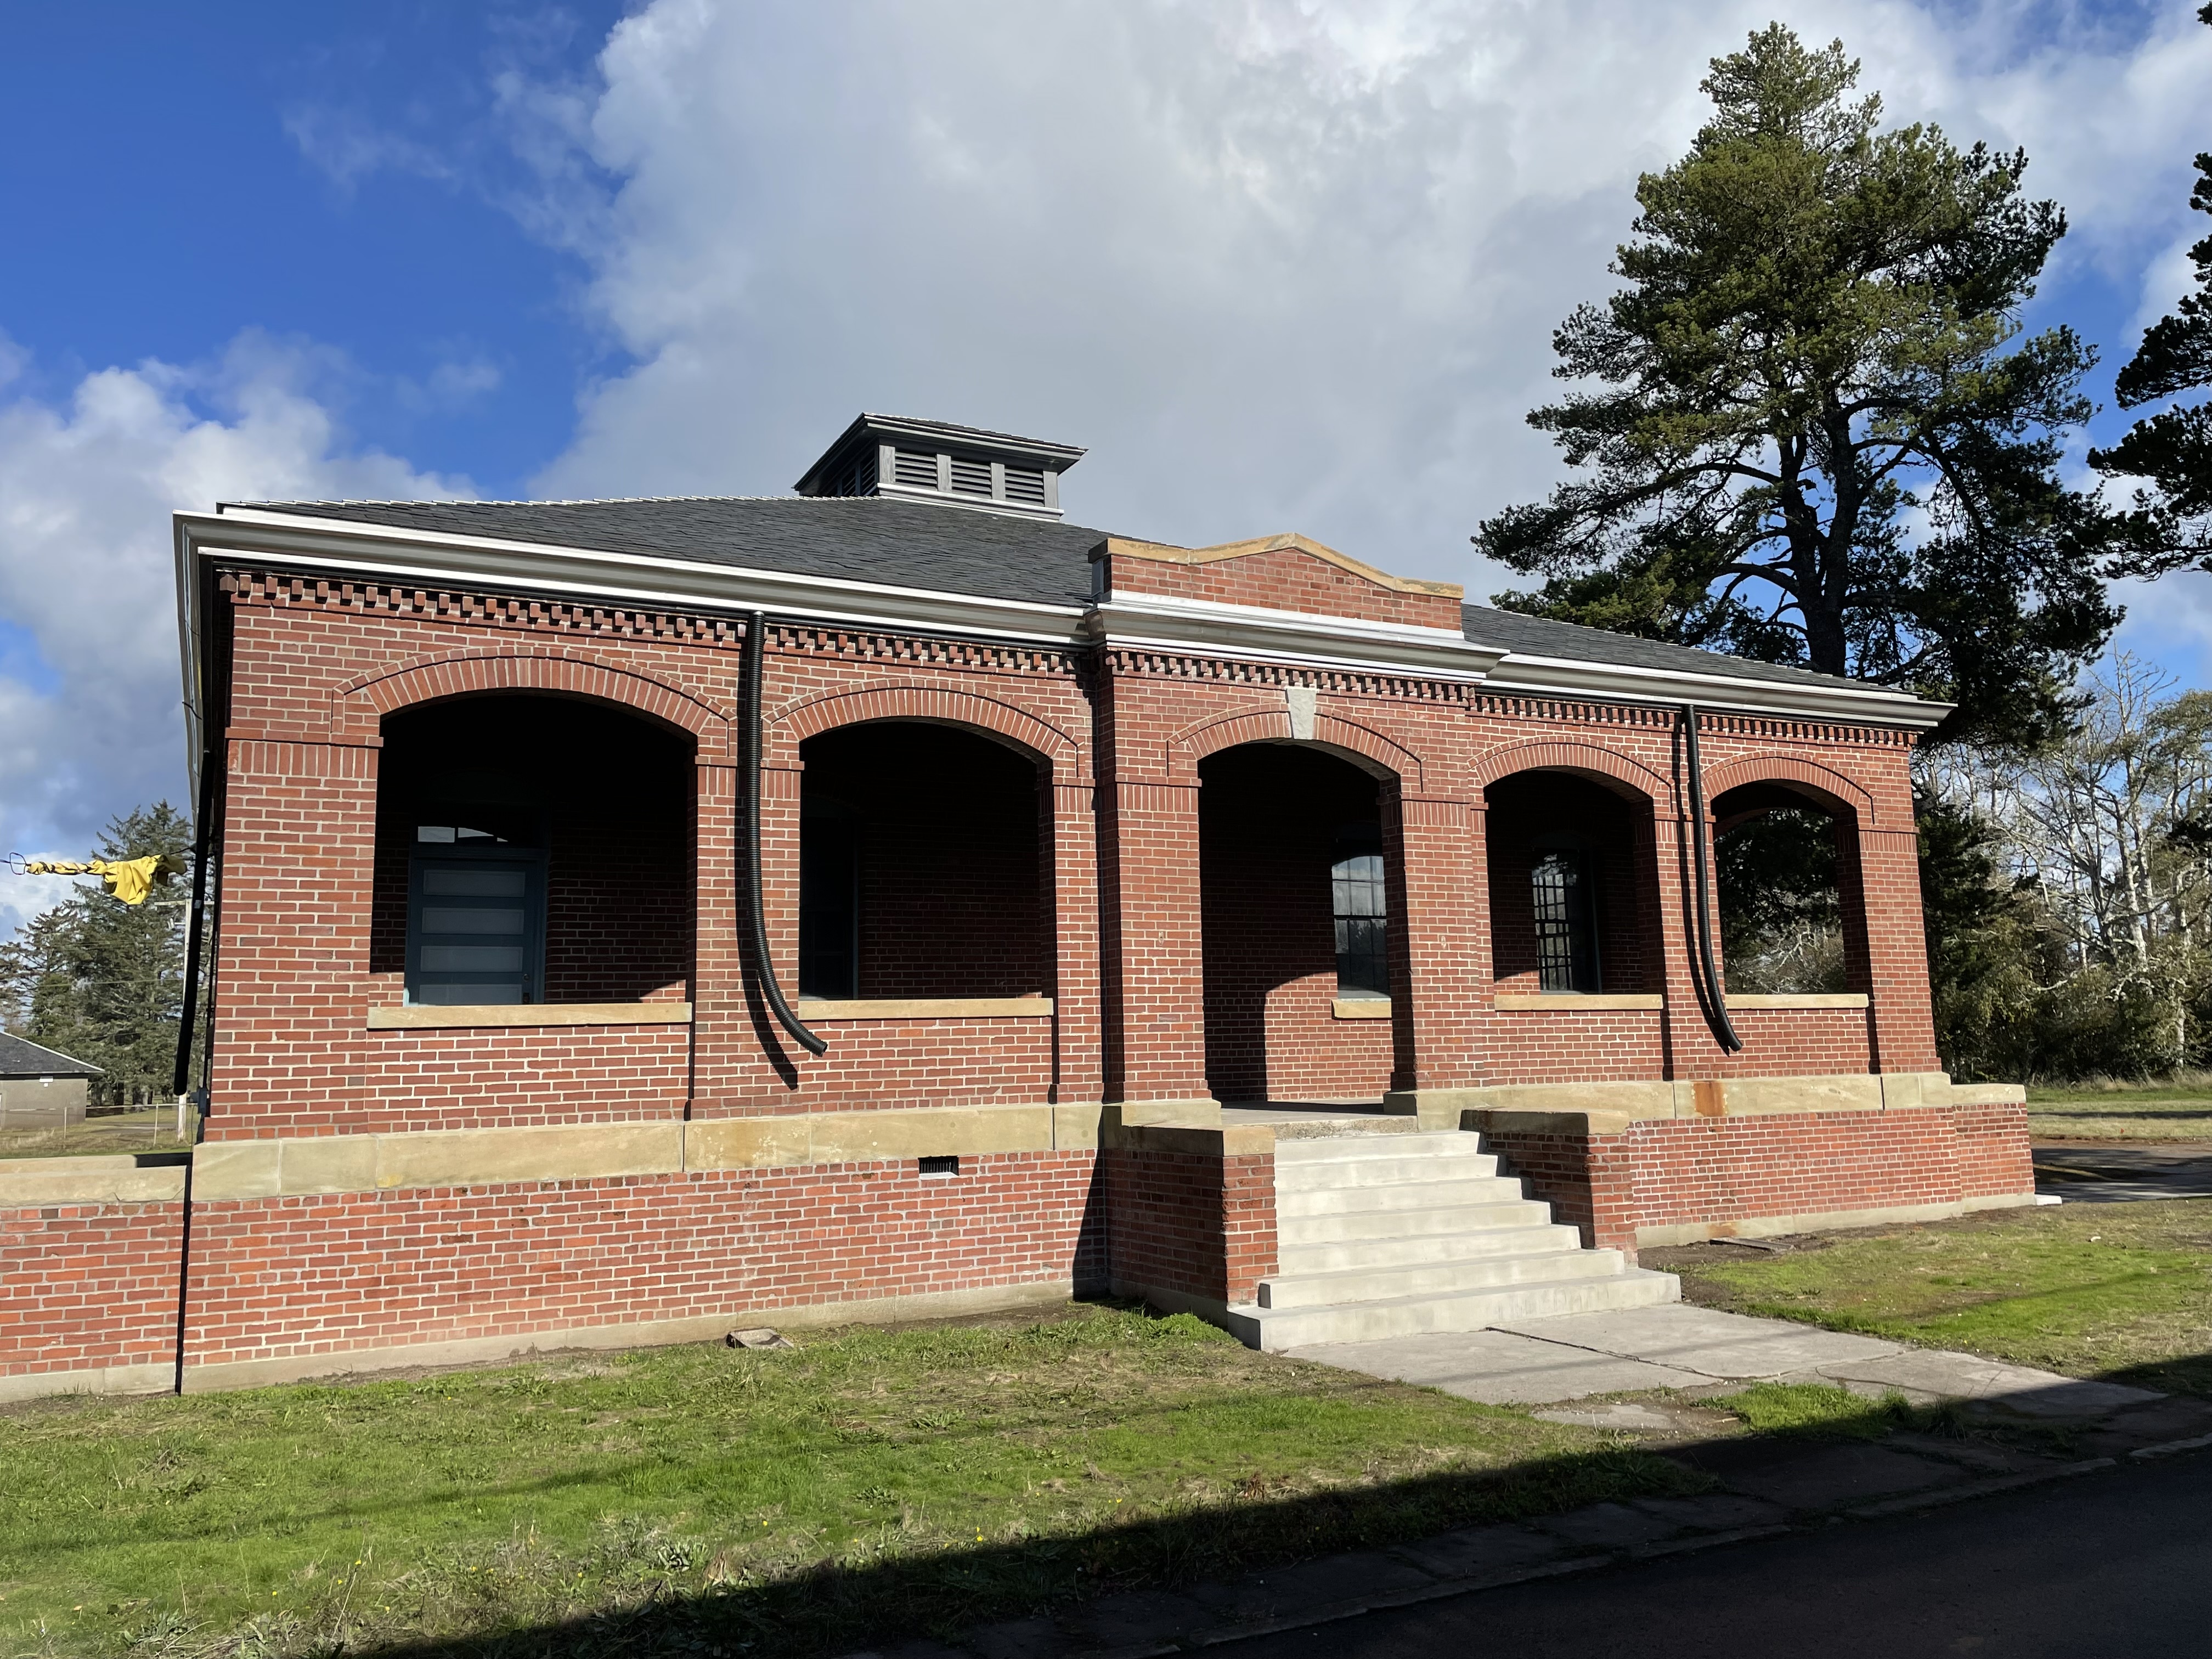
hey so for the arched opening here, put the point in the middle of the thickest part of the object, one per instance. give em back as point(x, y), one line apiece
point(533, 848)
point(1296, 926)
point(1574, 898)
point(1785, 858)
point(921, 873)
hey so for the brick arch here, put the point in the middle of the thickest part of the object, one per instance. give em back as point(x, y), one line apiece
point(792, 725)
point(1368, 749)
point(359, 704)
point(1601, 764)
point(1792, 769)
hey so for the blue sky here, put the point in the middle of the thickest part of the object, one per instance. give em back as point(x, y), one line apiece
point(1281, 266)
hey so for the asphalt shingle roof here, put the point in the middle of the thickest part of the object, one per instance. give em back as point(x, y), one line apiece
point(945, 549)
point(21, 1057)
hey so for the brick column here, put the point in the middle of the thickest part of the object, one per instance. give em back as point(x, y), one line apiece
point(1901, 1035)
point(1439, 935)
point(1070, 832)
point(1692, 1049)
point(1153, 942)
point(291, 988)
point(722, 1038)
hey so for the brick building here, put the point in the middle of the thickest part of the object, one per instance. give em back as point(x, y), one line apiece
point(891, 900)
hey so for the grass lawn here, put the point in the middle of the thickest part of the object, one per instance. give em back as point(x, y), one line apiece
point(2122, 1292)
point(703, 1499)
point(2173, 1110)
point(143, 1129)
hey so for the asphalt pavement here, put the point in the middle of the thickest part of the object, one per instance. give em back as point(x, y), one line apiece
point(2116, 1565)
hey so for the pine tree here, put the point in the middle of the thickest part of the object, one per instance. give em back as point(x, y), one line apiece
point(104, 980)
point(2172, 450)
point(1812, 433)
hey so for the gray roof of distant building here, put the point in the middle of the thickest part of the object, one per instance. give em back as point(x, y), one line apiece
point(21, 1057)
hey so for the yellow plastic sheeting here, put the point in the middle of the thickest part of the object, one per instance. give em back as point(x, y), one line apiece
point(128, 879)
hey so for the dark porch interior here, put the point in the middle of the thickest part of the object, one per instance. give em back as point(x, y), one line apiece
point(920, 874)
point(605, 797)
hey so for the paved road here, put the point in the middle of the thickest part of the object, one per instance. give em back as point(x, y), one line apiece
point(2086, 1172)
point(2110, 1565)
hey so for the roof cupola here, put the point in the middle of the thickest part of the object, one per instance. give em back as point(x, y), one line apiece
point(944, 464)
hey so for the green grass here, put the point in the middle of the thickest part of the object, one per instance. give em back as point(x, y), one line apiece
point(870, 1483)
point(143, 1129)
point(2174, 1109)
point(2116, 1291)
point(1826, 1411)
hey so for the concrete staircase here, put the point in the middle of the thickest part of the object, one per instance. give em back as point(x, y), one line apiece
point(1391, 1234)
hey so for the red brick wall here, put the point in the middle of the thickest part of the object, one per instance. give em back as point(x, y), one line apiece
point(1565, 1045)
point(1269, 823)
point(281, 1278)
point(1189, 1222)
point(86, 1286)
point(1718, 1170)
point(318, 668)
point(1283, 579)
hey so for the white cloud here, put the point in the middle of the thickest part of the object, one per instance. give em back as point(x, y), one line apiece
point(1280, 264)
point(86, 490)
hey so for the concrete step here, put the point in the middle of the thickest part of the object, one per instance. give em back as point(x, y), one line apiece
point(1308, 1174)
point(1435, 1278)
point(1344, 1225)
point(1297, 1257)
point(1273, 1330)
point(1338, 1149)
point(1446, 1192)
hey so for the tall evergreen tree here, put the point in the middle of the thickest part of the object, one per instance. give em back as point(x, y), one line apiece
point(102, 980)
point(1812, 431)
point(2172, 450)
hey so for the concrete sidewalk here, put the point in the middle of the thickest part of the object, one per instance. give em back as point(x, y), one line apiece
point(1698, 1352)
point(1678, 1357)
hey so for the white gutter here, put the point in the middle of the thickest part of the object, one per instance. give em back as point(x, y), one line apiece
point(1158, 621)
point(388, 554)
point(1853, 703)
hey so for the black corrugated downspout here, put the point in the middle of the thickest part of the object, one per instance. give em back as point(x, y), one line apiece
point(1712, 1001)
point(200, 838)
point(749, 769)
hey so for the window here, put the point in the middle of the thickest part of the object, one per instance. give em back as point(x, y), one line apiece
point(829, 901)
point(476, 918)
point(1566, 924)
point(1363, 966)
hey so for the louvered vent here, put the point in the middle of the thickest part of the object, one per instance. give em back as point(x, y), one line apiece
point(945, 465)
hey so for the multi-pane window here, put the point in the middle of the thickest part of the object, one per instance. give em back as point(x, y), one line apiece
point(476, 918)
point(1363, 966)
point(1566, 923)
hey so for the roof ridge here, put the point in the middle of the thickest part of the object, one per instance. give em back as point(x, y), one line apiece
point(549, 500)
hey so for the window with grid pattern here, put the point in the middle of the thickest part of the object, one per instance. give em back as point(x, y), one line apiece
point(1363, 966)
point(1566, 928)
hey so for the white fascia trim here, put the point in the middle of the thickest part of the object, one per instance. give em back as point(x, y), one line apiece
point(1154, 621)
point(628, 578)
point(1723, 693)
point(387, 553)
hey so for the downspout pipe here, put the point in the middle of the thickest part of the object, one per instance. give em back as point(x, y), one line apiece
point(202, 837)
point(748, 769)
point(1714, 1001)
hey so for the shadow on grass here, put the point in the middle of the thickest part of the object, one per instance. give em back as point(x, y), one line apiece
point(652, 1592)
